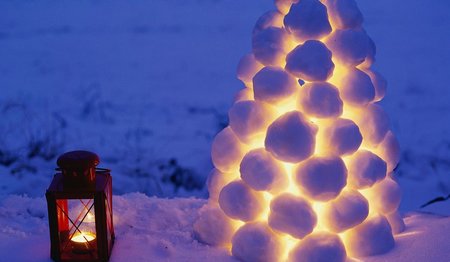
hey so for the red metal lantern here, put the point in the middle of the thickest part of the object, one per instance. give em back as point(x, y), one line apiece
point(80, 216)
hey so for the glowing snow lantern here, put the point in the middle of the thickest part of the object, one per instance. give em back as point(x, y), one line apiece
point(304, 172)
point(79, 203)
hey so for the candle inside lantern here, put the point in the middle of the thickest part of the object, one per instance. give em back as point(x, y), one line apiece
point(83, 242)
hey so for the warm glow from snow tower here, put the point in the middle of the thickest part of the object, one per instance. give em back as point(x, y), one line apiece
point(304, 171)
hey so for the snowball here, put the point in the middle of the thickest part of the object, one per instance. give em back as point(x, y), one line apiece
point(261, 171)
point(396, 222)
point(250, 119)
point(274, 85)
point(365, 169)
point(268, 19)
point(227, 151)
point(244, 94)
point(389, 151)
point(342, 137)
point(310, 61)
point(350, 47)
point(269, 46)
point(291, 137)
point(320, 247)
point(210, 219)
point(344, 14)
point(357, 88)
point(216, 181)
point(247, 69)
point(320, 100)
point(379, 83)
point(292, 215)
point(239, 201)
point(321, 179)
point(384, 196)
point(373, 123)
point(307, 19)
point(346, 211)
point(255, 242)
point(372, 237)
point(284, 5)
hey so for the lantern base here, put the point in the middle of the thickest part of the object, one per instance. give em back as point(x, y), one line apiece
point(84, 248)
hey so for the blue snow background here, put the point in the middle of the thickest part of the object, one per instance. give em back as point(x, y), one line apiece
point(147, 85)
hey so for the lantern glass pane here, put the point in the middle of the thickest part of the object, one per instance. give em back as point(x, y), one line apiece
point(78, 235)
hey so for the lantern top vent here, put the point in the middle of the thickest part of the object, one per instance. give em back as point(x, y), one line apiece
point(78, 160)
point(78, 169)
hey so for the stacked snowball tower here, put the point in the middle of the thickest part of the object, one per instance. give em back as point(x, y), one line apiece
point(304, 171)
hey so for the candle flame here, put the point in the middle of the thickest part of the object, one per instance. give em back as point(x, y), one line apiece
point(83, 237)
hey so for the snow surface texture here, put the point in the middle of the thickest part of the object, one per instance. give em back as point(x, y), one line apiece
point(307, 154)
point(154, 229)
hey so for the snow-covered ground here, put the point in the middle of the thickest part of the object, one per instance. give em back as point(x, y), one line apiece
point(154, 229)
point(147, 85)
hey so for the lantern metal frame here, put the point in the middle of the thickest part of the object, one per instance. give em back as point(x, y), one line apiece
point(59, 220)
